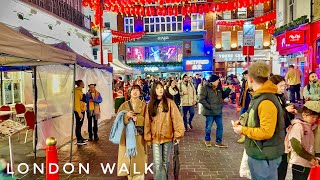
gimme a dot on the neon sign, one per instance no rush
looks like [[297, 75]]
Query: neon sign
[[197, 64]]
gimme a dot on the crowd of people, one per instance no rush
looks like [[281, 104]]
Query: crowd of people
[[273, 132]]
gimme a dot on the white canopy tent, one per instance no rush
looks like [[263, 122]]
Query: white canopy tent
[[120, 68], [49, 70]]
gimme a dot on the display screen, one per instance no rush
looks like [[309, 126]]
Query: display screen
[[136, 54]]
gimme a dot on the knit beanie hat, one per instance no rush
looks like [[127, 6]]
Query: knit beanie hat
[[213, 78], [245, 72], [313, 105]]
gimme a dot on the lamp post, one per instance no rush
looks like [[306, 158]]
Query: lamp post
[[100, 31]]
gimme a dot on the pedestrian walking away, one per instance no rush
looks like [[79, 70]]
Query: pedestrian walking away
[[93, 100], [211, 97], [163, 127], [293, 78]]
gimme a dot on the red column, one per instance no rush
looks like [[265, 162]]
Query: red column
[[52, 158]]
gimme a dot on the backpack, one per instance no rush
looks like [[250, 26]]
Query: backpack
[[287, 143]]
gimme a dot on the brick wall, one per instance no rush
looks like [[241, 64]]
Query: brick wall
[[121, 47]]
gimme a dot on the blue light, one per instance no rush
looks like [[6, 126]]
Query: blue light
[[208, 52]]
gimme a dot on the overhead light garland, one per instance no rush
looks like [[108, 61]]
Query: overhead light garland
[[161, 7], [122, 37]]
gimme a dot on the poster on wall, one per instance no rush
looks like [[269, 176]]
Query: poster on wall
[[318, 52], [170, 53]]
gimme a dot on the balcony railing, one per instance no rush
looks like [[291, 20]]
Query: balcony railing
[[65, 11]]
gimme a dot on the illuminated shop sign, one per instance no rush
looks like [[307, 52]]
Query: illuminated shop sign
[[154, 69], [197, 64]]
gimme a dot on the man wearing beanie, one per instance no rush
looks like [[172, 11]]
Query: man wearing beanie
[[211, 97], [263, 126], [188, 100]]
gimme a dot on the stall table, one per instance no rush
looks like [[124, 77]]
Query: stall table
[[9, 128]]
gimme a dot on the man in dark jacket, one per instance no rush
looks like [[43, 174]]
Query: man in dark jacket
[[211, 98], [245, 95]]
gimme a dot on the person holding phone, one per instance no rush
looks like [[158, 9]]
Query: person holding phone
[[93, 100], [163, 126], [136, 110]]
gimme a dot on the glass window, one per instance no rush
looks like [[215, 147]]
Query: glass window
[[128, 24], [226, 40], [242, 13], [258, 44], [258, 10], [163, 24], [12, 91], [226, 15], [240, 39], [291, 7], [197, 22]]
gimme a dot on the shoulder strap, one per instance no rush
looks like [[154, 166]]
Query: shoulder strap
[[308, 87], [130, 105]]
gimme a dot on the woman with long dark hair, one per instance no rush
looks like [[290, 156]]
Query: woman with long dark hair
[[289, 112], [163, 126], [135, 113]]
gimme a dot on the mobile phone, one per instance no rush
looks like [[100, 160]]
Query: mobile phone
[[232, 122]]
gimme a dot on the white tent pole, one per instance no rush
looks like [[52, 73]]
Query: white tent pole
[[72, 125], [35, 90]]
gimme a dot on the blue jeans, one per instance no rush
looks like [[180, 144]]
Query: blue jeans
[[209, 123], [263, 169], [161, 160], [243, 110], [185, 110]]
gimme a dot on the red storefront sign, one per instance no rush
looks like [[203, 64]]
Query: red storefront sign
[[248, 50], [295, 37]]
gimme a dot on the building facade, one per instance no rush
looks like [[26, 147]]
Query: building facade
[[229, 57]]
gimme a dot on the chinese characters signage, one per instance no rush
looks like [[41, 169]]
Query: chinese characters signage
[[197, 64]]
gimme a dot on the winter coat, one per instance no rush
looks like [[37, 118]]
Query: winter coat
[[141, 157], [79, 101], [191, 98], [313, 92], [211, 99], [165, 126]]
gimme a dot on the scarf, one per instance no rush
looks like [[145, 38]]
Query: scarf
[[116, 132]]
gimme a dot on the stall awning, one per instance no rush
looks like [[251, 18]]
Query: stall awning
[[120, 68], [17, 49]]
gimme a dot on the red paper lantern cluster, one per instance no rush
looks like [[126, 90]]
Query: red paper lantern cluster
[[259, 20], [122, 37], [95, 41], [96, 7], [271, 29], [138, 7]]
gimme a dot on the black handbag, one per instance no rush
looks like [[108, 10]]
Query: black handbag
[[140, 129]]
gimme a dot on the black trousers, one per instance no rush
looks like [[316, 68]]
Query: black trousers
[[92, 131], [283, 167], [79, 123], [300, 172], [295, 90]]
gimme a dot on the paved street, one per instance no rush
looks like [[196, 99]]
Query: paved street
[[197, 161]]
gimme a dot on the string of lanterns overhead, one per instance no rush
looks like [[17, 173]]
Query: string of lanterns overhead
[[122, 37], [162, 7]]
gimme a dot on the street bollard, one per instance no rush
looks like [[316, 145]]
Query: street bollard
[[51, 157]]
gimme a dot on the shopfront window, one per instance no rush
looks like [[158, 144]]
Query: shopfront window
[[226, 15], [12, 91], [291, 10], [226, 40], [197, 22], [258, 44], [160, 24], [128, 24]]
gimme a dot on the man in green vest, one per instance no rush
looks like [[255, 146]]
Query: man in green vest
[[263, 125]]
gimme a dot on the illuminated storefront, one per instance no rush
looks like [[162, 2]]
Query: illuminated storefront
[[162, 54]]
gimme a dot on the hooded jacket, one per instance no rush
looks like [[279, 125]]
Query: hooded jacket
[[313, 92], [265, 125], [187, 99]]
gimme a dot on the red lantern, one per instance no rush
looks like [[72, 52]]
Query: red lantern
[[188, 9], [200, 9], [206, 8], [85, 3], [183, 11], [131, 11], [136, 11], [218, 7], [142, 11], [149, 1], [175, 11], [194, 8], [170, 11], [161, 2], [213, 8], [159, 10]]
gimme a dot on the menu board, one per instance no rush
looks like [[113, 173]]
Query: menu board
[[9, 127]]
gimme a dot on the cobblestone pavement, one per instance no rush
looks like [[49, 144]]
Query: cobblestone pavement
[[197, 161]]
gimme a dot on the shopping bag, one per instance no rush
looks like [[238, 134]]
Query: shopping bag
[[314, 173], [200, 110], [244, 166]]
